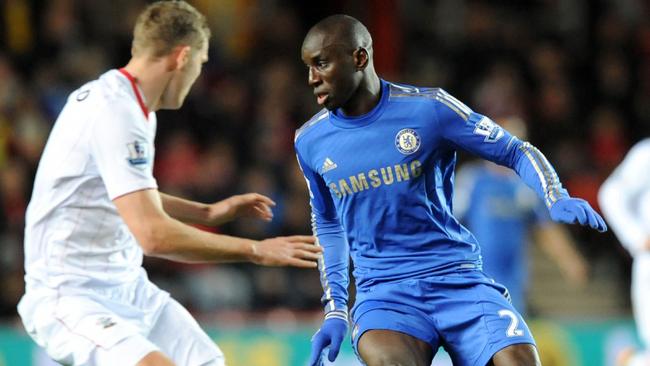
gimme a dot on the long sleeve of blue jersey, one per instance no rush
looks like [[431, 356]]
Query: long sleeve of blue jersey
[[327, 228], [479, 135]]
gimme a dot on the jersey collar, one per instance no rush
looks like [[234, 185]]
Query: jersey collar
[[136, 91], [338, 119]]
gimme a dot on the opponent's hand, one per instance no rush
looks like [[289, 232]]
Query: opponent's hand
[[251, 205], [331, 335], [576, 210], [296, 251]]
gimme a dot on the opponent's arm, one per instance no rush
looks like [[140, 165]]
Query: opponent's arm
[[333, 266], [121, 146], [253, 205], [479, 135], [162, 236], [621, 199]]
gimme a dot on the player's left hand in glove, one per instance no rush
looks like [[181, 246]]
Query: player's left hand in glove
[[330, 335], [576, 210]]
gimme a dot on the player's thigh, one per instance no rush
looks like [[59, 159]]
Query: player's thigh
[[386, 347], [80, 330], [516, 355], [475, 319], [181, 338], [133, 350], [390, 326]]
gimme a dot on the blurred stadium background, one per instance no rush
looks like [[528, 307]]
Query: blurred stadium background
[[577, 71]]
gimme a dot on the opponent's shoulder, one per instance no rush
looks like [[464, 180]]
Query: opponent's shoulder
[[116, 89], [115, 96], [104, 93], [313, 124]]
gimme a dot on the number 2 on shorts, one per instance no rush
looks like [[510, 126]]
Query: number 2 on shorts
[[514, 322]]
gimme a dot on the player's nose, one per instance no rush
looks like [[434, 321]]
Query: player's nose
[[314, 77]]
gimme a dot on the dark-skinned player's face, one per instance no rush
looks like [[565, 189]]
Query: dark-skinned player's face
[[332, 70]]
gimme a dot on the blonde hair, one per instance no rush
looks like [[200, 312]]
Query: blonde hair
[[164, 25]]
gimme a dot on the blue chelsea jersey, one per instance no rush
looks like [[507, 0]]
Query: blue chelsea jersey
[[381, 185]]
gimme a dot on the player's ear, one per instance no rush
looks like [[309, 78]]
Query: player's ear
[[361, 58], [178, 58]]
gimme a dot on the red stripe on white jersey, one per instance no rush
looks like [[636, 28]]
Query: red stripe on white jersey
[[144, 108]]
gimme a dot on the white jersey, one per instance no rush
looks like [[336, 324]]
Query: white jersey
[[625, 201], [625, 198], [101, 147]]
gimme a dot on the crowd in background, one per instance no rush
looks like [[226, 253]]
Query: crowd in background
[[577, 71]]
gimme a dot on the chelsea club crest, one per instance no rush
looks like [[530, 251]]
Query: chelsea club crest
[[407, 141]]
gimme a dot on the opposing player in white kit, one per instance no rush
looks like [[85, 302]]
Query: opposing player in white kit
[[96, 209], [625, 201]]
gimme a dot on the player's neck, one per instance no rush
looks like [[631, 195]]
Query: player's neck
[[366, 98], [151, 78]]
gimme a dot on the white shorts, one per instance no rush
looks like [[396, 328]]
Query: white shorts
[[116, 325]]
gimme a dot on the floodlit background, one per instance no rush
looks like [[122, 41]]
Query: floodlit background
[[576, 71]]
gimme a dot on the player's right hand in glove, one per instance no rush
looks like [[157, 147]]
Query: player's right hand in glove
[[330, 335]]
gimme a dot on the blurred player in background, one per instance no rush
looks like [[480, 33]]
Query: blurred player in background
[[489, 196], [379, 161], [95, 209], [625, 201]]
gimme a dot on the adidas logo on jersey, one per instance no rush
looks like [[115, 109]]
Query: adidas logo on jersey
[[328, 165]]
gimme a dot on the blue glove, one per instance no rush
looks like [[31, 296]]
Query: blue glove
[[575, 210], [331, 335]]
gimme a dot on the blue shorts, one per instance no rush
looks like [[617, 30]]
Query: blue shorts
[[465, 312]]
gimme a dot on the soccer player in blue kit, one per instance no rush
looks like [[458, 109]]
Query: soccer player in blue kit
[[379, 162]]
